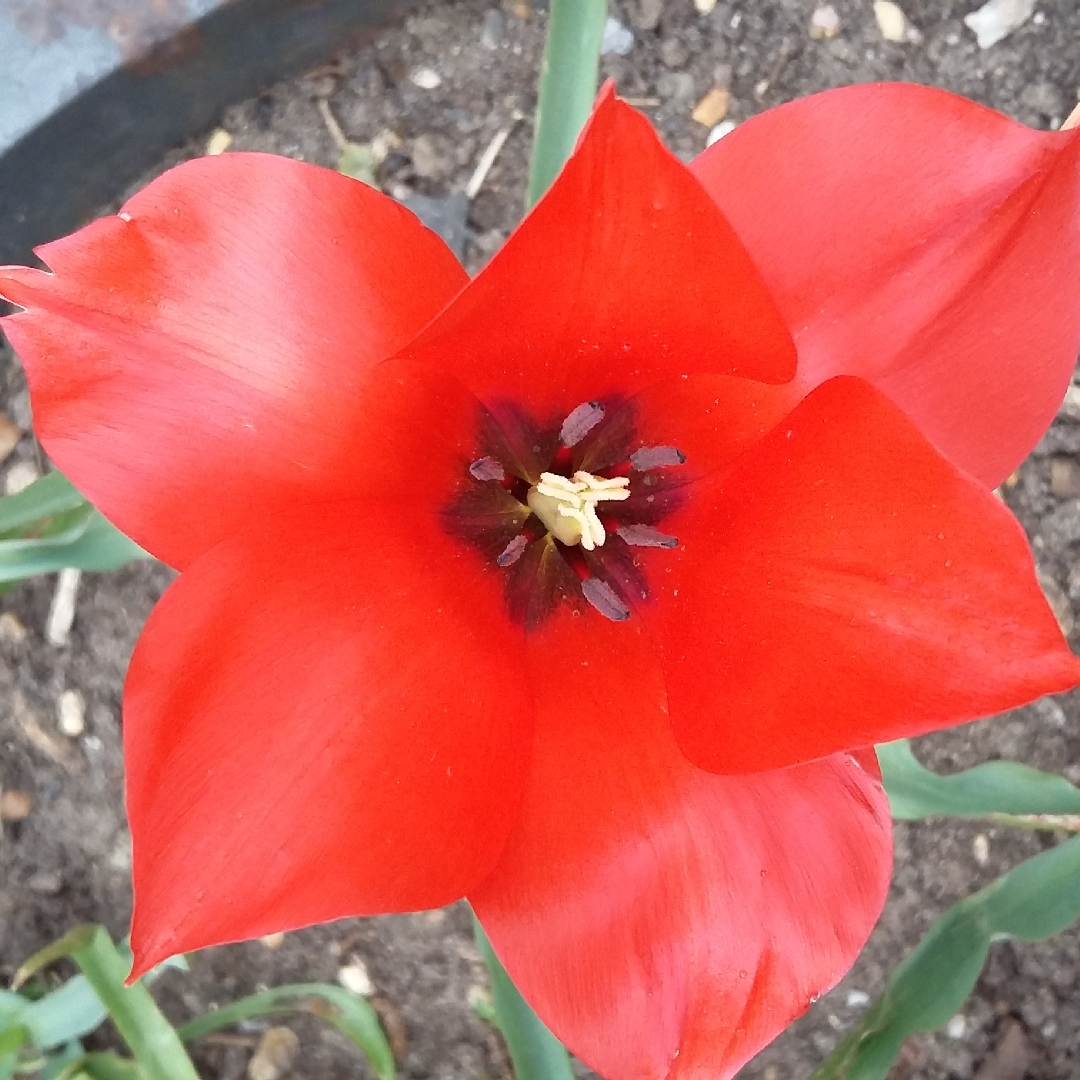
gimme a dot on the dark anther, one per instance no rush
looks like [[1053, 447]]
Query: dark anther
[[605, 599], [580, 422], [646, 536], [487, 468], [656, 457], [513, 551]]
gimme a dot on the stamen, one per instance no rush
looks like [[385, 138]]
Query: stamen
[[656, 457], [513, 551], [646, 536], [487, 468], [580, 422], [605, 599]]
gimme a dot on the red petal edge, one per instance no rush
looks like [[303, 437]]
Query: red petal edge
[[841, 584], [196, 362], [325, 717], [665, 922], [623, 273], [922, 242]]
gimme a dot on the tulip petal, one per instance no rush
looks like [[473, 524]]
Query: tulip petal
[[324, 717], [664, 921], [195, 360], [842, 584], [921, 242], [624, 272]]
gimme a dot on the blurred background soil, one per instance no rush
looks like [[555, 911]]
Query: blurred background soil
[[426, 99]]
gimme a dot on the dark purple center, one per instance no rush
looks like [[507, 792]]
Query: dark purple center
[[490, 511]]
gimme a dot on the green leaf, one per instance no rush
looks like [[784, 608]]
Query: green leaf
[[998, 787], [358, 161], [350, 1014], [12, 1040], [11, 1006], [568, 76], [68, 1012], [98, 1066], [152, 1039], [49, 526], [536, 1053], [1039, 898], [44, 498]]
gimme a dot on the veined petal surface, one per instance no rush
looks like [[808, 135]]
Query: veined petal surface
[[197, 362], [922, 242], [841, 584], [665, 922], [326, 716], [623, 273]]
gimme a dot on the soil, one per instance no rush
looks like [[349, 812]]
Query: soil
[[69, 860]]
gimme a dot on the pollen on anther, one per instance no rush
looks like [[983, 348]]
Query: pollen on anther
[[580, 422], [656, 457], [487, 468]]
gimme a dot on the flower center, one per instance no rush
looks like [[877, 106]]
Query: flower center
[[531, 505], [567, 505]]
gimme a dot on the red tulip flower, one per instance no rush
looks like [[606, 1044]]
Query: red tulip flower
[[579, 589]]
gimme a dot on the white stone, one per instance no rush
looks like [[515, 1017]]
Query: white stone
[[725, 127], [891, 20], [956, 1027], [426, 78], [355, 978], [71, 713], [857, 999], [617, 39], [996, 19], [19, 477]]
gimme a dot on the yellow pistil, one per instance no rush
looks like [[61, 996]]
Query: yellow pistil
[[567, 505]]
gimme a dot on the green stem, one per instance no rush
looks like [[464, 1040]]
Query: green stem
[[567, 86], [152, 1039], [536, 1053]]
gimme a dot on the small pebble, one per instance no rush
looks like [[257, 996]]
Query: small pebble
[[120, 856], [355, 978], [891, 20], [648, 14], [857, 999], [1065, 477], [427, 161], [71, 713], [725, 127], [997, 19], [980, 849], [273, 941], [12, 629], [19, 477], [220, 141], [673, 53], [712, 108], [10, 434], [426, 78], [15, 805], [492, 29], [824, 23], [704, 6], [676, 86], [274, 1055], [46, 882], [956, 1027], [617, 38]]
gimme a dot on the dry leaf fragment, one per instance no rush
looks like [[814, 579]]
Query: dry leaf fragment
[[220, 141], [15, 805], [10, 434], [276, 1051], [712, 108]]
